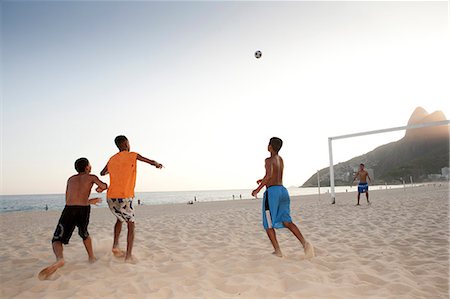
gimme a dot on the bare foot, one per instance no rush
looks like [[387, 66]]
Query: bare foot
[[117, 252], [309, 250], [92, 259], [45, 273], [278, 253], [131, 260]]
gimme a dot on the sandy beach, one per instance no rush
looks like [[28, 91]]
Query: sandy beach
[[396, 248]]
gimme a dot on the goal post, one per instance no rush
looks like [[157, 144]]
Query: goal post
[[330, 144]]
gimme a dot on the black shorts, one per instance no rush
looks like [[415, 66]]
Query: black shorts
[[72, 216]]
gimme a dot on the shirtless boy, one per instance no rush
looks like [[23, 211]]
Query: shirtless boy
[[276, 200], [75, 213], [363, 186]]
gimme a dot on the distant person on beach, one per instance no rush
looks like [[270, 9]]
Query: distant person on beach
[[75, 213], [363, 186], [122, 173], [276, 200]]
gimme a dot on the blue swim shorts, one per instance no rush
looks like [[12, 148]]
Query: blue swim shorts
[[363, 187], [276, 207]]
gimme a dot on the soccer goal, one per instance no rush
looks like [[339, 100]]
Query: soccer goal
[[330, 144]]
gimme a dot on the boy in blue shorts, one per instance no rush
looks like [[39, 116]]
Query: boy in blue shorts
[[363, 186], [276, 201]]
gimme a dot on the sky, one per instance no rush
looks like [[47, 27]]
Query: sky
[[180, 80]]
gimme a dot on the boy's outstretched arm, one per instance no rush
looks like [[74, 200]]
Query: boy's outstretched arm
[[151, 162], [104, 170], [95, 201], [264, 180], [101, 185], [354, 178]]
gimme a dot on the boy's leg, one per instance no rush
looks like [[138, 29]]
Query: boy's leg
[[115, 249], [367, 196], [359, 194], [267, 222], [130, 240], [58, 250], [294, 229], [62, 234], [88, 245], [115, 206], [307, 247], [273, 239], [83, 223]]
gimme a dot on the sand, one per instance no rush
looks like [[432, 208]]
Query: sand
[[396, 248]]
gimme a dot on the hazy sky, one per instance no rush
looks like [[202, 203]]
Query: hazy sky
[[179, 79]]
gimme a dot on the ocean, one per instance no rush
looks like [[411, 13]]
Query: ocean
[[39, 202]]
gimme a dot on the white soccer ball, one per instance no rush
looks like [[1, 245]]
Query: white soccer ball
[[258, 54]]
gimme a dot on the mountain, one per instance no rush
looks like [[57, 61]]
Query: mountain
[[420, 152]]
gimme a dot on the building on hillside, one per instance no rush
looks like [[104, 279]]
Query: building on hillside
[[434, 176]]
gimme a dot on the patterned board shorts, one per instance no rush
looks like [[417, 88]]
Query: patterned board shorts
[[122, 208]]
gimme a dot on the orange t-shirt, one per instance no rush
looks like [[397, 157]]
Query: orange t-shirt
[[122, 175]]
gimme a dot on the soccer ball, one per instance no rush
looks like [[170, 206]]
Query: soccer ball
[[258, 54]]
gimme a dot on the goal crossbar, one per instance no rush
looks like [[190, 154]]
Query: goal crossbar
[[330, 143]]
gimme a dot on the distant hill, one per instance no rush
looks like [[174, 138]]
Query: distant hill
[[419, 153]]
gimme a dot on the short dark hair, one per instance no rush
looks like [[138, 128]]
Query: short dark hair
[[362, 164], [81, 164], [276, 143], [120, 140]]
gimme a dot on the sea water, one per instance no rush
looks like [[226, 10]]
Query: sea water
[[41, 202]]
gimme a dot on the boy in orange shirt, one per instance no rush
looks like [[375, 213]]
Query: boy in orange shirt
[[122, 173]]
